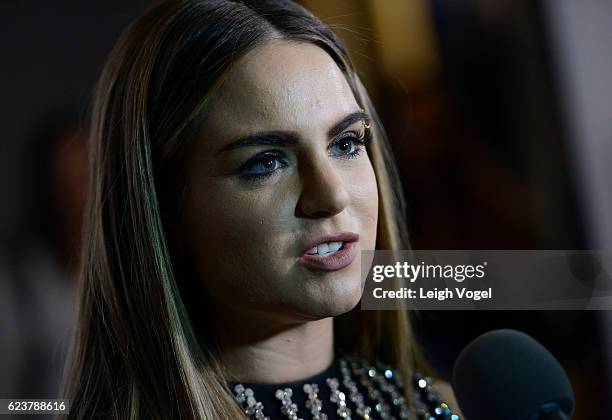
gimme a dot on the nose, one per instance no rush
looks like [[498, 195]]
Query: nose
[[323, 189]]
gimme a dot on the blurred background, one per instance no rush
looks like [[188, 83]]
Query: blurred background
[[499, 113]]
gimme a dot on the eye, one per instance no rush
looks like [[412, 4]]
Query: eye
[[349, 145], [263, 165]]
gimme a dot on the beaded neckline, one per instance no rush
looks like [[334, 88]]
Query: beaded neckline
[[349, 389]]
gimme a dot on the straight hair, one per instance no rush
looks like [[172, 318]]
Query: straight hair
[[136, 352]]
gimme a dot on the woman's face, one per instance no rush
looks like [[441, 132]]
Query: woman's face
[[276, 166]]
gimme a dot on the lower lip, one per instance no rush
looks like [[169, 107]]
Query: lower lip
[[337, 261]]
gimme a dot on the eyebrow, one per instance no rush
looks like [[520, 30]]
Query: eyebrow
[[287, 138]]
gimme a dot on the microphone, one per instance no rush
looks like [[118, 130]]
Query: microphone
[[507, 375]]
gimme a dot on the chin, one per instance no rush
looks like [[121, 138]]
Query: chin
[[331, 304]]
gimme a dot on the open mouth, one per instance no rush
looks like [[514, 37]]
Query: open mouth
[[331, 252], [326, 249], [330, 256]]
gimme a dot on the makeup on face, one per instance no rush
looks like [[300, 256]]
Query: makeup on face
[[348, 140], [281, 194], [331, 252]]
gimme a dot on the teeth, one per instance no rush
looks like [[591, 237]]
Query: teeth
[[334, 246], [323, 249], [327, 248]]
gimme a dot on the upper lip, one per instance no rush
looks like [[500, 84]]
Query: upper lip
[[338, 237]]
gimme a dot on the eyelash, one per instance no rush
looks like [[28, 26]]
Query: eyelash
[[359, 142]]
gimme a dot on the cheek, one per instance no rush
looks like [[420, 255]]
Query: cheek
[[216, 223], [229, 235], [364, 196]]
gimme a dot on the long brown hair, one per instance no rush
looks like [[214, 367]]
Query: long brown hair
[[136, 354]]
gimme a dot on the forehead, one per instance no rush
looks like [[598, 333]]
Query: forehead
[[284, 86]]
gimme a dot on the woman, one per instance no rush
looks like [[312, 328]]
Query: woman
[[238, 169]]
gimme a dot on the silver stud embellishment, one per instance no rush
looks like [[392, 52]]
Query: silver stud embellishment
[[289, 408], [313, 403]]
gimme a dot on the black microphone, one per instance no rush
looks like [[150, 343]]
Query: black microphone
[[507, 375]]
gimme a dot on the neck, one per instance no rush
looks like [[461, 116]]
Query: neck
[[283, 353]]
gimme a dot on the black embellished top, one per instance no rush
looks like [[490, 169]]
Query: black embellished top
[[349, 389]]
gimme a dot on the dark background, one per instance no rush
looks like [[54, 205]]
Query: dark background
[[498, 112]]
